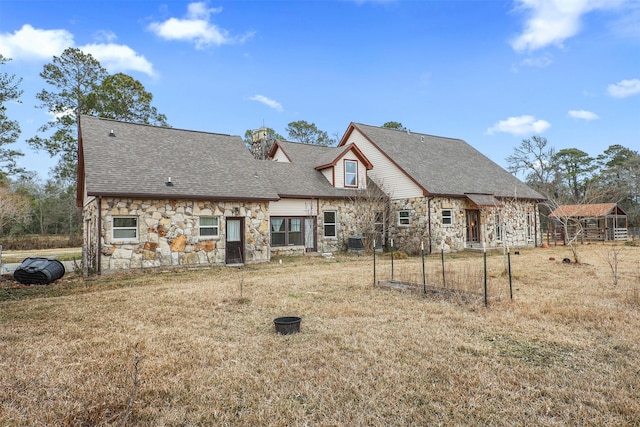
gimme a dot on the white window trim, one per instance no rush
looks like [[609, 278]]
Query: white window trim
[[124, 239], [351, 173], [450, 216], [216, 227], [335, 225], [408, 218]]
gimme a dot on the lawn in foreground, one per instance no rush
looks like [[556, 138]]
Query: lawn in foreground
[[564, 351]]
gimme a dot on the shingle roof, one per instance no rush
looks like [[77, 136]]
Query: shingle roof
[[139, 159], [311, 155], [590, 210], [446, 166]]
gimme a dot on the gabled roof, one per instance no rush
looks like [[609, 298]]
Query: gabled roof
[[443, 166], [594, 210], [139, 159], [342, 151], [309, 154]]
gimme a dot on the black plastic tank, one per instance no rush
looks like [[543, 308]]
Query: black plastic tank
[[39, 271]]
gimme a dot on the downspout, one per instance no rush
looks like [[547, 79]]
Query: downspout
[[99, 237]]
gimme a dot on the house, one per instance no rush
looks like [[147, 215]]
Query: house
[[593, 222], [158, 196]]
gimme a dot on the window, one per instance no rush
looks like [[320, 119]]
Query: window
[[287, 231], [350, 173], [125, 228], [403, 218], [209, 226], [498, 225], [530, 226], [447, 217], [329, 221]]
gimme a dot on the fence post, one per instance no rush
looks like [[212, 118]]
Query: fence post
[[392, 260], [509, 265], [374, 265], [444, 283], [424, 274], [484, 250]]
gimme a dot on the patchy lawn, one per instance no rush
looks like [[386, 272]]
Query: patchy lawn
[[198, 347]]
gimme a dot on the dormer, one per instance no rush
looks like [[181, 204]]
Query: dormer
[[277, 153], [348, 169]]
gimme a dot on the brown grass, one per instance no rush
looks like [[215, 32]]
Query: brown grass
[[563, 352]]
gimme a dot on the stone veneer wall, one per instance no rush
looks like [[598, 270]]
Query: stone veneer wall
[[350, 215], [168, 233], [513, 216]]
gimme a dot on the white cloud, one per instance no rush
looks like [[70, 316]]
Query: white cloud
[[583, 114], [520, 126], [541, 61], [117, 57], [551, 22], [195, 27], [29, 43], [268, 102], [624, 88]]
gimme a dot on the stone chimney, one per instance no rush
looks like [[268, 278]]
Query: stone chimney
[[260, 145]]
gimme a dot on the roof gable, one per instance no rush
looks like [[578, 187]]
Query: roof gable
[[443, 166], [351, 148]]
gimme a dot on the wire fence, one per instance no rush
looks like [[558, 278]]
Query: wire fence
[[473, 278]]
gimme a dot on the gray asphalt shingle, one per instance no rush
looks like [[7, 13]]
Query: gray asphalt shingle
[[446, 166]]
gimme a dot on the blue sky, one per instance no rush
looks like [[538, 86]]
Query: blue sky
[[490, 72]]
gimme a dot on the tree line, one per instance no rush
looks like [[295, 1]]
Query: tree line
[[571, 176], [76, 84]]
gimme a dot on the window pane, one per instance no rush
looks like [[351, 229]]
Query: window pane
[[351, 167], [233, 230], [209, 231], [329, 230], [277, 224], [125, 222], [329, 217], [208, 221], [277, 239], [126, 233], [294, 224]]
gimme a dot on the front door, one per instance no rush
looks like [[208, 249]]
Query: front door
[[234, 253], [473, 226], [310, 235]]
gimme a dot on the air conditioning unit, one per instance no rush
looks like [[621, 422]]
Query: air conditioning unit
[[356, 244]]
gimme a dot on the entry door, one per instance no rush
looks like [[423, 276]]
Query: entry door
[[310, 235], [234, 253], [473, 226]]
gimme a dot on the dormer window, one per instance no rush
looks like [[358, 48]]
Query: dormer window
[[350, 173]]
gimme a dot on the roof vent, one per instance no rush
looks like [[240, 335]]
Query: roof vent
[[422, 139], [169, 183], [112, 134], [408, 132]]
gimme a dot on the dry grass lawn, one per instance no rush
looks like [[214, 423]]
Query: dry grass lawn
[[193, 350]]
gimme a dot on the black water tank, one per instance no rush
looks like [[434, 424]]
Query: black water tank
[[39, 271]]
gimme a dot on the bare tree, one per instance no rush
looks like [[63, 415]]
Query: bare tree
[[370, 212], [14, 209]]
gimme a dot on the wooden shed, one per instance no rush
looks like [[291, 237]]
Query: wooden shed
[[592, 222]]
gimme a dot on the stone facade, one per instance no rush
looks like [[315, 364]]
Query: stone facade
[[168, 232], [515, 224]]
